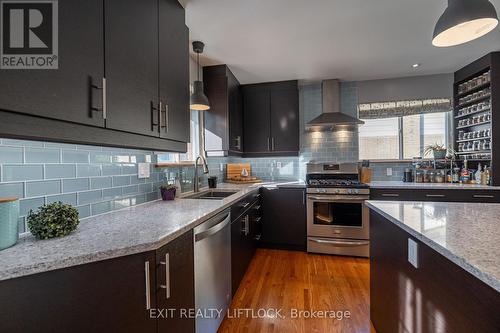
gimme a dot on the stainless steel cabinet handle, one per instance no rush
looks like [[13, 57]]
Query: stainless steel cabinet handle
[[303, 197], [269, 143], [104, 108], [257, 219], [166, 286], [167, 117], [104, 99], [390, 195], [153, 116], [435, 195], [246, 226], [245, 205], [238, 142], [339, 243], [160, 106], [148, 285], [272, 143], [256, 207], [483, 196]]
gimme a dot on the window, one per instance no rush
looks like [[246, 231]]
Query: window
[[402, 137], [193, 147]]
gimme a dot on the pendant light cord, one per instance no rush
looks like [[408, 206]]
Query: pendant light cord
[[198, 64]]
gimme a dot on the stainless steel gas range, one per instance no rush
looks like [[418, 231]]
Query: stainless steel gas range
[[337, 218]]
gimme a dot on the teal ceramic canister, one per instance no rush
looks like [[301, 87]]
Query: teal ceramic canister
[[9, 227]]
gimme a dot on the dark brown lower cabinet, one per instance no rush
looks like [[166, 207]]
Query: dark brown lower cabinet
[[106, 296], [175, 284], [284, 222], [452, 195], [438, 296], [245, 236], [116, 295]]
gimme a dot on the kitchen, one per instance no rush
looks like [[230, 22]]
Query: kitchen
[[177, 178]]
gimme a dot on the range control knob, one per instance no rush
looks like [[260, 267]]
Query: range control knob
[[337, 191], [349, 191], [356, 191]]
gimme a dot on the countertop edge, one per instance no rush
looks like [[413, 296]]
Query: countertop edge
[[484, 277]]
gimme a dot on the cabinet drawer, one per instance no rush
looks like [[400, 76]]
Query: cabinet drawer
[[243, 205], [481, 196]]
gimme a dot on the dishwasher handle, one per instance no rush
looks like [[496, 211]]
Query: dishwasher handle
[[213, 230]]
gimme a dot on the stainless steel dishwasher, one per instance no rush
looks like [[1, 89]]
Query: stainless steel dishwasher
[[212, 271]]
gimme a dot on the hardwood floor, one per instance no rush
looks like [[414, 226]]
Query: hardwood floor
[[289, 280]]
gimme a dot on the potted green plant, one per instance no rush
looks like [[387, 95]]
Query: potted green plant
[[439, 151], [53, 220], [168, 192]]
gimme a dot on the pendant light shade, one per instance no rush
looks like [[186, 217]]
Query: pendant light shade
[[198, 99], [463, 21]]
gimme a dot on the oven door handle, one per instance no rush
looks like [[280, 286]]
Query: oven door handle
[[350, 199], [339, 242]]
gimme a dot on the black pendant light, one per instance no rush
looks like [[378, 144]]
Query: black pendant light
[[198, 99], [463, 21]]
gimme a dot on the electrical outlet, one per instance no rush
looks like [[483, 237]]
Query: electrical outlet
[[144, 170], [278, 165], [221, 167], [389, 171], [413, 252]]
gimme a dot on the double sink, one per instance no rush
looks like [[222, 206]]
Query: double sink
[[211, 194]]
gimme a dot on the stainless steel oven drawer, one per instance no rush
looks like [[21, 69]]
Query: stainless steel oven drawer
[[339, 246]]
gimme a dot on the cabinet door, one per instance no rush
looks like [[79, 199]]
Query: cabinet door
[[175, 283], [285, 120], [235, 115], [256, 115], [106, 296], [174, 71], [241, 250], [216, 122], [65, 93], [132, 65], [284, 218]]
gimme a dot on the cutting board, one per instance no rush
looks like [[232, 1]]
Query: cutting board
[[233, 174]]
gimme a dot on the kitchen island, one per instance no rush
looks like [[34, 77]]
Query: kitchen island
[[435, 266]]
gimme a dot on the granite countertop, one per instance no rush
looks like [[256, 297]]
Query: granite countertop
[[123, 232], [465, 233], [445, 186]]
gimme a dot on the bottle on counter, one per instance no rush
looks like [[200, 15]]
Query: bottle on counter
[[483, 180], [488, 176], [465, 174], [456, 175], [477, 175]]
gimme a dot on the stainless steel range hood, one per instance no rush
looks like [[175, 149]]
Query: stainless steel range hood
[[331, 118]]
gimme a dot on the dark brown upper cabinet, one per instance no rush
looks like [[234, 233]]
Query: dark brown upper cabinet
[[174, 111], [66, 93], [224, 120], [123, 79], [271, 119], [132, 66]]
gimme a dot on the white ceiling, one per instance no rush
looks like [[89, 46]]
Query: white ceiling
[[271, 40]]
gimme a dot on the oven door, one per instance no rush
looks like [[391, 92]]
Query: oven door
[[337, 216]]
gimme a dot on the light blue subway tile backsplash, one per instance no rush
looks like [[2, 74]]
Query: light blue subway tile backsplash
[[35, 189], [42, 155], [75, 156], [22, 172], [76, 185], [60, 171], [89, 197], [11, 155], [88, 170], [12, 190], [92, 178]]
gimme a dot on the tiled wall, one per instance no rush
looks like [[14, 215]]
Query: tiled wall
[[94, 179], [379, 171], [338, 146]]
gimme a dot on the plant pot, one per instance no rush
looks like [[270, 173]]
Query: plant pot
[[168, 194], [439, 154], [9, 224]]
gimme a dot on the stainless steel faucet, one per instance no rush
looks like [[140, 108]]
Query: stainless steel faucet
[[196, 182]]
